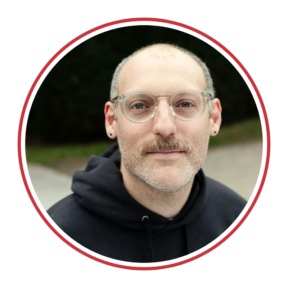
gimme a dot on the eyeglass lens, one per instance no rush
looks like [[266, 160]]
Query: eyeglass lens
[[186, 105]]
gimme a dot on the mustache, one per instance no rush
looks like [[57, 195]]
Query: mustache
[[164, 143]]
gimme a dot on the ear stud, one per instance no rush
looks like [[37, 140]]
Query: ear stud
[[215, 132], [110, 134]]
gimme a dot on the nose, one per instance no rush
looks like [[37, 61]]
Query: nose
[[164, 121]]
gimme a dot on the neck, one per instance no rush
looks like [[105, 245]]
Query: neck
[[165, 203]]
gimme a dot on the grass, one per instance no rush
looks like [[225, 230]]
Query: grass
[[47, 155], [238, 132]]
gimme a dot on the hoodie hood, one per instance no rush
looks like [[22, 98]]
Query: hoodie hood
[[103, 217], [100, 189]]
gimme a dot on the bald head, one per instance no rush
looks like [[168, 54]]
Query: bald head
[[159, 51], [153, 65]]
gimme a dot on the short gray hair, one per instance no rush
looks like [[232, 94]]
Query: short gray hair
[[208, 79]]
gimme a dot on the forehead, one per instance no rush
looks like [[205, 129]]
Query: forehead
[[160, 72]]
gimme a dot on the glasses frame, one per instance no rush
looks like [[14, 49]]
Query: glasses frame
[[204, 94]]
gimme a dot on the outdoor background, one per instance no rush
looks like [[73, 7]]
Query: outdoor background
[[66, 121]]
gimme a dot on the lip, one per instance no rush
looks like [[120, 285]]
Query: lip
[[166, 153]]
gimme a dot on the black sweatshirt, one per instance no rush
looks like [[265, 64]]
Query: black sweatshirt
[[103, 217]]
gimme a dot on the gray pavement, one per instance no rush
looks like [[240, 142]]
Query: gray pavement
[[237, 166]]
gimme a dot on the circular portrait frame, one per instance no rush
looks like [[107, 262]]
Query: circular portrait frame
[[252, 203]]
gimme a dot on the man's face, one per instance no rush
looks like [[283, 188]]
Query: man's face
[[171, 168]]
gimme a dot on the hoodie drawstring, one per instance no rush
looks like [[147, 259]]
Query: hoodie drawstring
[[146, 221]]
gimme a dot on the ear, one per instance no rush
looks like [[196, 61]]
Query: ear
[[110, 121], [216, 118]]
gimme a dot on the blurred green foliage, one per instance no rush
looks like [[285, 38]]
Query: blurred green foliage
[[69, 105]]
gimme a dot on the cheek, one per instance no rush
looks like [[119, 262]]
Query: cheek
[[195, 129], [133, 134]]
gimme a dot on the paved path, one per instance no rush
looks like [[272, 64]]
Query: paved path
[[236, 166]]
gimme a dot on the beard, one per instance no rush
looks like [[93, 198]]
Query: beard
[[166, 174]]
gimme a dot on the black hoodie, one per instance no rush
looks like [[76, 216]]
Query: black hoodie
[[102, 216]]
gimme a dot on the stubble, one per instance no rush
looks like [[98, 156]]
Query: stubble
[[167, 175]]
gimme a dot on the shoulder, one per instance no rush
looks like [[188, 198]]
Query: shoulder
[[225, 193], [82, 225], [62, 207], [68, 214], [223, 201], [221, 209]]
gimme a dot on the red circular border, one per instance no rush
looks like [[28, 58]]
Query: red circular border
[[126, 21]]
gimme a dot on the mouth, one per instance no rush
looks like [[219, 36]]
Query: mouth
[[165, 153]]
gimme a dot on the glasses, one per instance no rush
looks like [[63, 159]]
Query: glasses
[[185, 105]]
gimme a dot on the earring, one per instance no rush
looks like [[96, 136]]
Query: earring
[[215, 132], [110, 134]]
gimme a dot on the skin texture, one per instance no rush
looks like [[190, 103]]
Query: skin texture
[[161, 180]]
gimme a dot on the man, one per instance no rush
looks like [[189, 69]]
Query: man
[[150, 201]]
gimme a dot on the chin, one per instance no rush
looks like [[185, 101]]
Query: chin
[[167, 187], [167, 180]]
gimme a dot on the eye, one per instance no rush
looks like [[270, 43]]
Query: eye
[[185, 105], [139, 106]]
